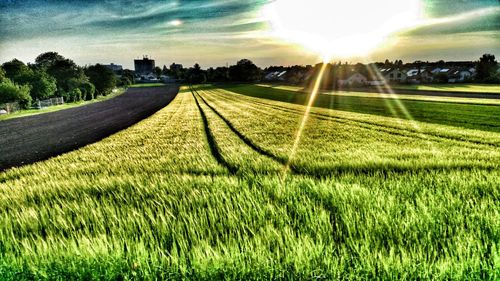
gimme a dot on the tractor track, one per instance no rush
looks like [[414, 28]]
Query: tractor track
[[366, 125], [212, 143]]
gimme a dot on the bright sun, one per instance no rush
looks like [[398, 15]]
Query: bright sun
[[341, 28]]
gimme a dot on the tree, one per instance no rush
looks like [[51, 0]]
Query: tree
[[244, 71], [196, 75], [124, 81], [88, 90], [42, 85], [15, 68], [102, 77], [62, 69], [11, 92], [47, 60], [486, 68], [75, 95], [441, 78], [2, 74], [129, 74], [158, 72]]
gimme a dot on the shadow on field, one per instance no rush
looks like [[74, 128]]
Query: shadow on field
[[30, 139]]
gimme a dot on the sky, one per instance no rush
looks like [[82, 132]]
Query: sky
[[269, 32]]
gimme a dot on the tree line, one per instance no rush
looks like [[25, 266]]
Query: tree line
[[53, 75], [243, 71], [246, 71]]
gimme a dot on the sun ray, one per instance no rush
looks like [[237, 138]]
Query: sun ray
[[305, 117]]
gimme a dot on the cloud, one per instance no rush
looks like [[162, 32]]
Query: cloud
[[30, 19], [480, 20]]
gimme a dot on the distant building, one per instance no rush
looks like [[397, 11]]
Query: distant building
[[419, 75], [393, 75], [459, 75], [114, 67], [355, 79], [145, 66], [275, 76]]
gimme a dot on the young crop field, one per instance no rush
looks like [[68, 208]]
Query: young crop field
[[216, 186]]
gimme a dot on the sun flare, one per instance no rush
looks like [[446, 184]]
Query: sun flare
[[341, 28]]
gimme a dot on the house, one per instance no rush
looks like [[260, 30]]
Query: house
[[271, 76], [353, 80], [281, 76], [167, 79], [275, 76], [426, 76], [436, 70], [419, 75], [148, 78], [459, 75], [413, 75], [394, 75]]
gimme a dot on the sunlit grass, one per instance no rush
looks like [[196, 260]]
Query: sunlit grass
[[369, 197], [472, 116], [373, 93]]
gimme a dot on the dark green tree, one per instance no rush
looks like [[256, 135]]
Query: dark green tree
[[65, 71], [196, 75], [47, 60], [2, 74], [102, 77], [88, 90], [129, 74], [125, 82], [486, 68], [158, 72], [15, 69], [244, 71], [43, 86]]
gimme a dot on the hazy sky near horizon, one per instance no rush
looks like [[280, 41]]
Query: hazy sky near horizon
[[216, 32]]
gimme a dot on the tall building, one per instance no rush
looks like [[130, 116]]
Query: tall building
[[144, 66]]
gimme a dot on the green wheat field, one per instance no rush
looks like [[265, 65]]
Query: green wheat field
[[205, 190]]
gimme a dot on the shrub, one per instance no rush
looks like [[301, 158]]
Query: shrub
[[88, 90], [75, 95], [125, 81], [11, 92]]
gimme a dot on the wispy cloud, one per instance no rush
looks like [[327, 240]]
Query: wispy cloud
[[479, 20], [209, 31]]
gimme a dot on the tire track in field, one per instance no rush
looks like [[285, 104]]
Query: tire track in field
[[325, 172], [212, 143], [245, 139], [365, 125], [369, 125]]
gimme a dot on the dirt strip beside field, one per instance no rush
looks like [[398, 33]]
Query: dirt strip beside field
[[30, 139]]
